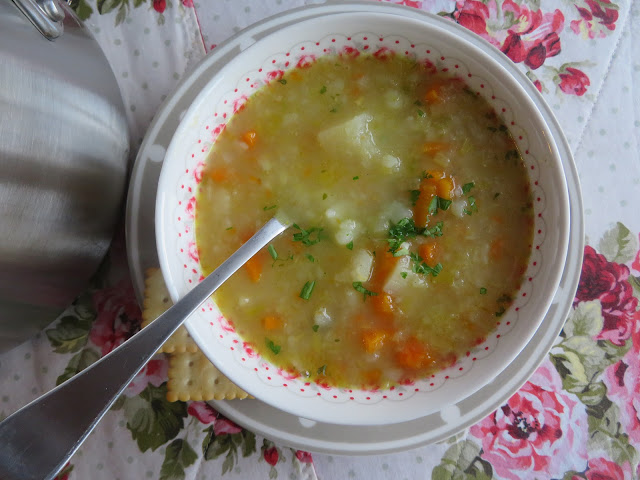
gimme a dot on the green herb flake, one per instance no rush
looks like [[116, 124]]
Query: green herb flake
[[273, 347], [333, 110], [272, 252], [350, 245], [426, 175], [500, 312], [366, 293], [472, 206], [398, 233], [323, 90], [466, 188], [443, 203], [315, 327], [504, 299], [496, 195], [433, 206], [421, 268], [305, 236], [269, 208], [324, 196], [322, 370], [414, 195], [230, 228], [435, 231], [421, 113], [307, 290], [356, 177], [403, 274], [282, 81], [310, 258], [512, 155], [483, 291]]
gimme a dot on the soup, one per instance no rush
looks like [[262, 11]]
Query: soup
[[413, 220]]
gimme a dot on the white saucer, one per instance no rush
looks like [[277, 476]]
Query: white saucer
[[289, 429]]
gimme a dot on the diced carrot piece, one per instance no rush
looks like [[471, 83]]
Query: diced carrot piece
[[413, 354], [383, 265], [250, 138], [383, 304], [253, 267], [432, 96], [431, 148], [496, 249], [373, 340], [272, 322], [444, 188], [429, 253], [421, 209], [219, 174]]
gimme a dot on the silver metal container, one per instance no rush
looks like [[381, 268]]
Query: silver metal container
[[63, 162]]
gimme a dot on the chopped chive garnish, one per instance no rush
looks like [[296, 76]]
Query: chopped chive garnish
[[359, 288], [273, 347], [310, 258], [483, 291], [315, 328], [323, 89], [306, 291], [322, 370], [283, 81], [350, 245], [466, 188], [272, 252], [269, 208]]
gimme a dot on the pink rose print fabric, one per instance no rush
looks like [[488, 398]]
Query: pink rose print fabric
[[524, 438], [608, 282], [524, 34]]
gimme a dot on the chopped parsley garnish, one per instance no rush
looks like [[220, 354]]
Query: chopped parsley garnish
[[420, 267], [273, 347], [323, 90], [500, 311], [425, 174], [366, 293], [333, 110], [269, 208], [310, 258], [403, 274], [229, 228], [483, 291], [414, 195], [356, 177], [283, 81], [438, 203], [420, 113], [435, 231], [398, 233], [472, 206], [466, 188], [322, 370], [305, 236], [272, 252], [307, 290], [350, 245], [315, 327], [324, 196]]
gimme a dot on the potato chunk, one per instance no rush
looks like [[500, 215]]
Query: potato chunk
[[352, 138]]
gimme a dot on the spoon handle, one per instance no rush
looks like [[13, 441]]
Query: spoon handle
[[38, 440]]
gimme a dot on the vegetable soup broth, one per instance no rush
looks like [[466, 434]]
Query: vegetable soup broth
[[413, 220]]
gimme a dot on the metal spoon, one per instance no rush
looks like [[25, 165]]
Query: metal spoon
[[38, 440]]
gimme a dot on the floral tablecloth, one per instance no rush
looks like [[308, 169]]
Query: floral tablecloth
[[578, 416]]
